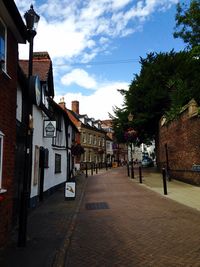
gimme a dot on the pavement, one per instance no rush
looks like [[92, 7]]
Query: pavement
[[56, 227], [181, 192], [48, 228]]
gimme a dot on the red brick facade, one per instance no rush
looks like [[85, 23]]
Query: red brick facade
[[15, 33], [180, 141], [8, 86]]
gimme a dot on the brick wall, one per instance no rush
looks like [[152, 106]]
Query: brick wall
[[8, 127], [180, 140]]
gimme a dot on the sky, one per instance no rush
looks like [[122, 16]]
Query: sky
[[96, 45]]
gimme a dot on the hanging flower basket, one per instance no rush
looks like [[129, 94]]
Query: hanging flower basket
[[130, 135]]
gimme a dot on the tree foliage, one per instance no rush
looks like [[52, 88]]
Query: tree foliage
[[166, 82], [188, 24]]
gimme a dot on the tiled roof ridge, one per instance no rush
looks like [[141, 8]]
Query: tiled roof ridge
[[42, 59], [43, 54]]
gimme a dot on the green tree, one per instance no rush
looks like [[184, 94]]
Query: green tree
[[120, 123], [166, 82], [188, 24]]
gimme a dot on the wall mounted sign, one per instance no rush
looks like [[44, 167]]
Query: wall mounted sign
[[49, 129]]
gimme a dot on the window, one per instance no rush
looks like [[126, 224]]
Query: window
[[103, 142], [90, 139], [2, 46], [57, 163], [108, 146], [1, 158], [95, 140], [46, 158], [84, 157], [58, 122], [84, 137]]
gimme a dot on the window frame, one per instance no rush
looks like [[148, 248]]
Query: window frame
[[1, 161], [3, 65], [84, 137], [90, 139]]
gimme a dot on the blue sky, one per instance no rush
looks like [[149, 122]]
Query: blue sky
[[95, 45]]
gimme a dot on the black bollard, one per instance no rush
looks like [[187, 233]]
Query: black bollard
[[106, 166], [128, 172], [96, 168], [132, 170], [86, 170], [140, 174], [164, 181], [91, 168]]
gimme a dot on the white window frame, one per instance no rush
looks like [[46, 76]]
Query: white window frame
[[103, 142], [4, 65], [84, 137], [99, 141], [95, 140], [1, 161], [90, 139]]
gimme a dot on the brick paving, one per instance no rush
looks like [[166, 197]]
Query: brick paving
[[47, 233], [138, 228]]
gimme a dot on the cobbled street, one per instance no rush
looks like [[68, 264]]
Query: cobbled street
[[122, 223]]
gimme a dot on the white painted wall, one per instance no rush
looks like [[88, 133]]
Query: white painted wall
[[50, 177]]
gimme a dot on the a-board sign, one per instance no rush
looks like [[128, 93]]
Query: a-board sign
[[70, 190]]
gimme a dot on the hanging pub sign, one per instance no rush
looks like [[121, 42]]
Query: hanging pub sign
[[49, 128]]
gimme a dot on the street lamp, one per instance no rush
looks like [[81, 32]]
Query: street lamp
[[32, 20], [130, 117]]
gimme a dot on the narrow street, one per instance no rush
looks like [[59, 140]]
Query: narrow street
[[122, 223]]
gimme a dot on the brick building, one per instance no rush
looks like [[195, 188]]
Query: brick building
[[179, 143], [91, 136], [12, 32]]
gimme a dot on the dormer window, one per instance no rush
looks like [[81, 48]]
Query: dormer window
[[2, 46]]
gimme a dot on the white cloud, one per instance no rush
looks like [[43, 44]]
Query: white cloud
[[68, 28], [80, 77], [78, 31], [99, 104]]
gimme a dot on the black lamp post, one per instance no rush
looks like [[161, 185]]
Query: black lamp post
[[130, 119], [32, 20]]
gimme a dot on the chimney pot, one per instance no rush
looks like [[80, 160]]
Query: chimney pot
[[62, 103], [75, 106]]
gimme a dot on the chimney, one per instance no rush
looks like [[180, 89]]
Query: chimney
[[75, 106], [62, 103]]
